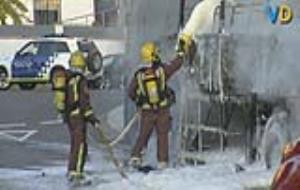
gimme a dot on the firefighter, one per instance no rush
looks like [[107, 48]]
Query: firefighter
[[148, 89], [287, 177], [72, 100]]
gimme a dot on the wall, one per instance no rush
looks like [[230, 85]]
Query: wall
[[78, 8], [29, 5], [69, 9]]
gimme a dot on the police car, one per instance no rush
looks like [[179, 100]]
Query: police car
[[38, 61]]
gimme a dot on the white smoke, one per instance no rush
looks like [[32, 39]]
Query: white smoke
[[148, 20], [267, 57]]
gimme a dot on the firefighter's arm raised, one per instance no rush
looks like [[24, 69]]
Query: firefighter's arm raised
[[85, 103], [185, 48], [173, 66]]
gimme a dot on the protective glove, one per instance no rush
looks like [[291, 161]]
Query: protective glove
[[94, 121], [184, 44]]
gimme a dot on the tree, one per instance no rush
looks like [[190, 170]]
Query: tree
[[13, 9]]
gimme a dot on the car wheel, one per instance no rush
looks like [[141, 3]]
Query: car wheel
[[95, 62], [4, 82], [27, 86]]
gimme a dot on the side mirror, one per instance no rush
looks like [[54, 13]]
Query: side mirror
[[17, 54]]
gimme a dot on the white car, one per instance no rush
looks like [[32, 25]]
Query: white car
[[38, 61]]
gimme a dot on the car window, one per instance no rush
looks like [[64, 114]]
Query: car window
[[29, 49], [49, 48], [46, 48], [61, 47], [86, 46]]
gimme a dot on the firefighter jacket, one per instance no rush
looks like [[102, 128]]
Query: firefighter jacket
[[77, 100], [148, 88]]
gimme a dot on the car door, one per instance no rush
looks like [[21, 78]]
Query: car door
[[22, 65], [44, 58], [33, 60]]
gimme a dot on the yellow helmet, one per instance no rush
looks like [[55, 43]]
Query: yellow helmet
[[149, 52], [77, 60]]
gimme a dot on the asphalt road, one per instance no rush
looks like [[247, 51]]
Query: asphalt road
[[30, 134]]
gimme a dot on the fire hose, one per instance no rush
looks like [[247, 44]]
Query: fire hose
[[109, 144], [125, 130], [112, 156]]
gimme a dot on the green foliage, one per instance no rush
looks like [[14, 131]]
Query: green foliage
[[13, 9]]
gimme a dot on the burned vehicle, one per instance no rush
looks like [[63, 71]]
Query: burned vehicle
[[242, 89]]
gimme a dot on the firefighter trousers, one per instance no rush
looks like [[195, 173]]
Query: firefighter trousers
[[79, 148], [160, 120]]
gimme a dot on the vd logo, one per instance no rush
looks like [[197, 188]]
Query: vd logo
[[281, 13]]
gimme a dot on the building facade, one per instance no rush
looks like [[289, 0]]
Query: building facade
[[70, 12]]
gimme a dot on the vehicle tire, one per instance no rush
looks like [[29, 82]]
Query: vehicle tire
[[95, 62], [4, 83], [27, 86], [54, 72]]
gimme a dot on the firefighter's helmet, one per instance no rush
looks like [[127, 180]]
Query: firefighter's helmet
[[149, 52], [77, 60]]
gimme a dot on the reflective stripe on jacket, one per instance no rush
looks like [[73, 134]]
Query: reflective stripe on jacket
[[169, 71], [77, 96]]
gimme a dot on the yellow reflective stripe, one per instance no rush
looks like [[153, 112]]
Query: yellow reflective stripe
[[140, 83], [73, 173], [80, 157], [88, 113], [146, 106], [75, 112], [162, 78], [75, 89], [164, 103], [74, 83], [138, 91]]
